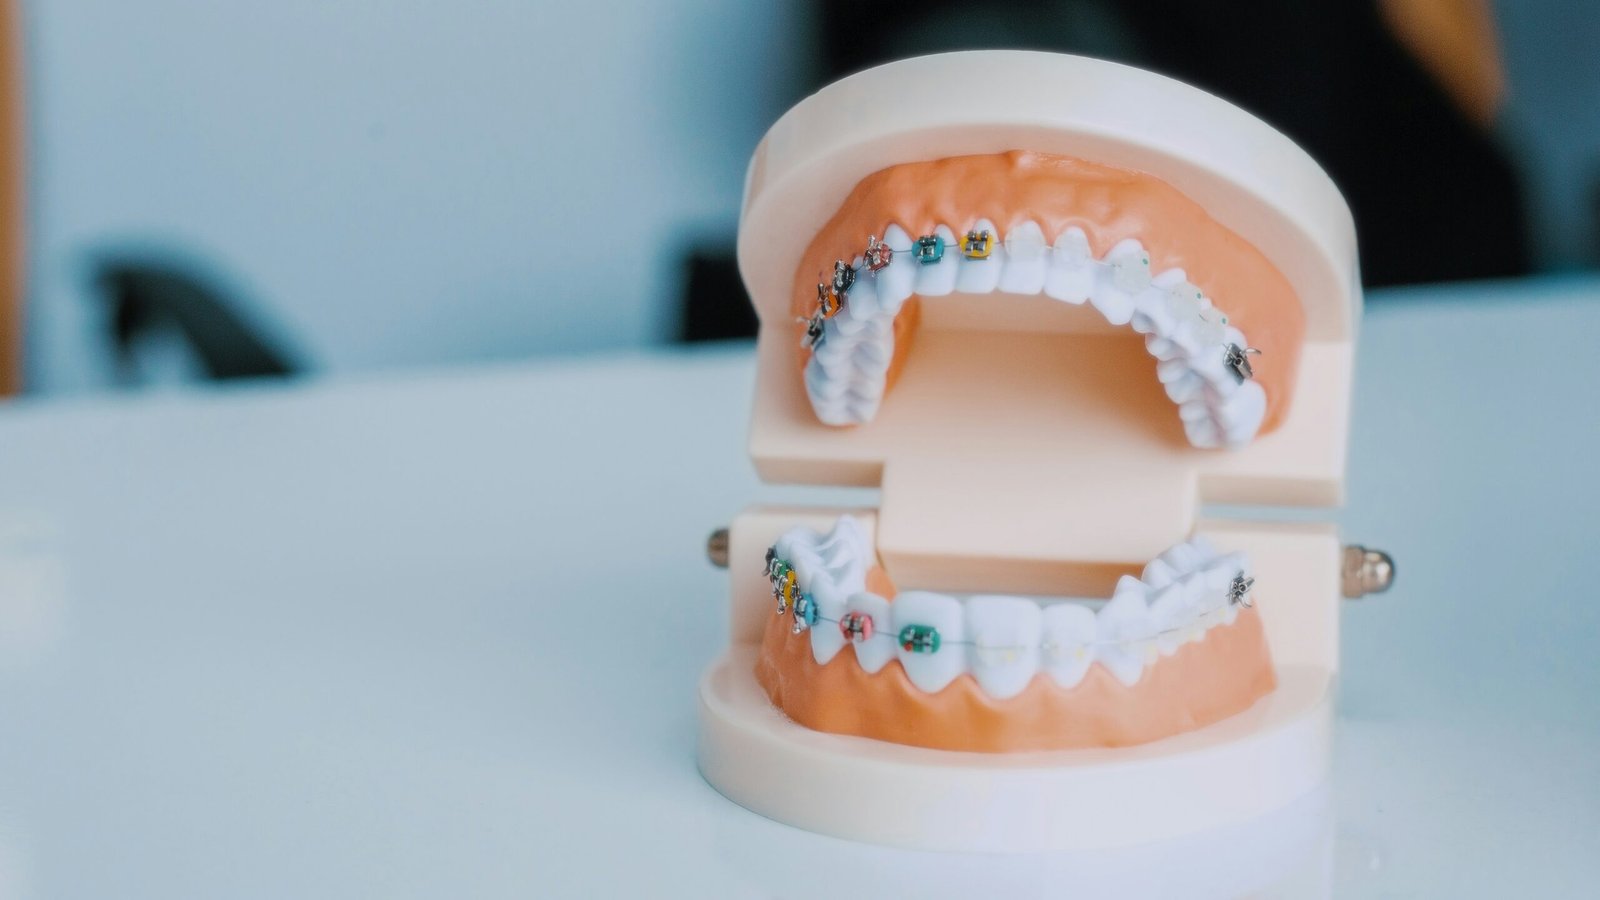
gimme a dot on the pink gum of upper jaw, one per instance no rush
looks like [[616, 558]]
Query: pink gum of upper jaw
[[1109, 204]]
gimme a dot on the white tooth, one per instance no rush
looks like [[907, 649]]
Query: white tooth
[[1203, 546], [1123, 632], [1162, 348], [1151, 313], [1202, 433], [1169, 611], [1181, 384], [878, 352], [1213, 329], [1025, 260], [938, 279], [1242, 413], [979, 276], [930, 672], [1190, 385], [1005, 634], [875, 652], [826, 638], [894, 282], [1127, 274], [1157, 574], [865, 409], [847, 325], [1183, 558], [1069, 642], [1184, 303], [1070, 275], [821, 386], [861, 304], [1194, 411]]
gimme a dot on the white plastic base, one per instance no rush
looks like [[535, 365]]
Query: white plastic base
[[1236, 770]]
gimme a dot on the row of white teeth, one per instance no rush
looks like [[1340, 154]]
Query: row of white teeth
[[1006, 641], [847, 372]]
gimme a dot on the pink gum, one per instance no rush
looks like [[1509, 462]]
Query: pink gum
[[1109, 204]]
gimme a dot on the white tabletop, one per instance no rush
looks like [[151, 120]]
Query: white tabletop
[[439, 635]]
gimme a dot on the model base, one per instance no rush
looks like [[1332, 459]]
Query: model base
[[864, 790]]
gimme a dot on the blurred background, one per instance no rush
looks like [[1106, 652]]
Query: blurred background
[[193, 190]]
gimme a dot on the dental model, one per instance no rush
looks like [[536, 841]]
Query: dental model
[[988, 307]]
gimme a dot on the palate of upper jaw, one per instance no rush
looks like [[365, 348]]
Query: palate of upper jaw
[[847, 374], [1005, 642]]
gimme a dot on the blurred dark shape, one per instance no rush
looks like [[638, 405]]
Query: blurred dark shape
[[1434, 197], [148, 298], [715, 305]]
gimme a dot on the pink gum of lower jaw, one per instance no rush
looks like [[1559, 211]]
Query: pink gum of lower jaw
[[1201, 683], [1057, 192]]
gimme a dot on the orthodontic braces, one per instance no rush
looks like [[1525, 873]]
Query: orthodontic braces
[[858, 627], [833, 294]]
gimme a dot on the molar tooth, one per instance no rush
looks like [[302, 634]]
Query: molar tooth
[[1070, 275], [821, 385], [939, 279], [1202, 433], [1025, 260], [1123, 628], [979, 276], [1005, 634], [875, 652], [1185, 387], [894, 282], [1069, 642], [930, 671], [1162, 348]]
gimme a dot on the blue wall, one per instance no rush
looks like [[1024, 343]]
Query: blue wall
[[394, 183]]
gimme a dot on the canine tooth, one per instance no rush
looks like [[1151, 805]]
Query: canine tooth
[[861, 304], [979, 276], [1025, 260], [1069, 642], [874, 653], [1123, 629], [938, 279], [1070, 275], [1005, 634], [930, 671], [1157, 574], [820, 385], [894, 282], [1128, 274]]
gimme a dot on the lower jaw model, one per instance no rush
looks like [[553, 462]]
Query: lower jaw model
[[1173, 650]]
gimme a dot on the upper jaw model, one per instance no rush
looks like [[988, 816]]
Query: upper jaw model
[[1132, 248], [1050, 308]]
